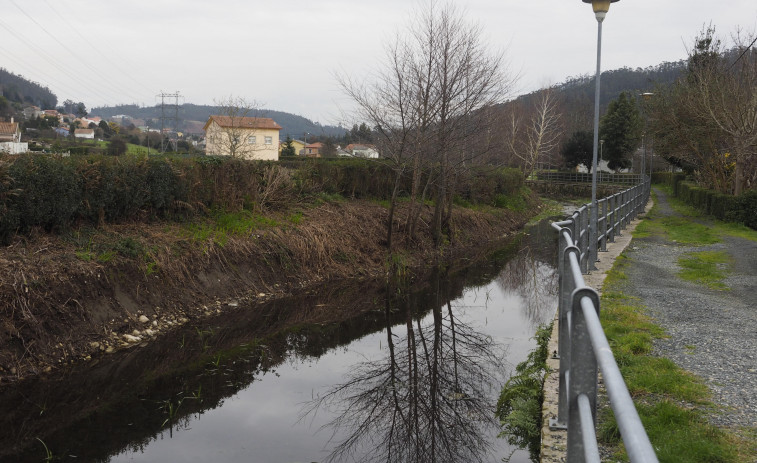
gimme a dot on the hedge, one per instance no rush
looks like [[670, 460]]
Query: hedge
[[742, 208], [54, 193]]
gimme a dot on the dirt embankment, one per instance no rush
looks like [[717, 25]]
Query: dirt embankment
[[69, 298]]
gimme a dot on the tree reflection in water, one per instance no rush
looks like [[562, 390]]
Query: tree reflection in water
[[530, 275], [429, 399]]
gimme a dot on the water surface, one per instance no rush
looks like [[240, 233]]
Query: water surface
[[412, 376]]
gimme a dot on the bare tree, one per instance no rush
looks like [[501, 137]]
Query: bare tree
[[467, 79], [435, 80], [426, 401], [534, 130], [708, 119]]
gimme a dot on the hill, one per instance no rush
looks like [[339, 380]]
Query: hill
[[616, 81], [18, 89], [191, 114]]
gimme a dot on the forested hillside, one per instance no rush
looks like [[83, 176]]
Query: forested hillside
[[293, 125], [578, 92], [17, 89]]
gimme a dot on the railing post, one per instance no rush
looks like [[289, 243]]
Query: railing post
[[584, 242], [583, 371], [611, 217], [567, 286], [604, 224]]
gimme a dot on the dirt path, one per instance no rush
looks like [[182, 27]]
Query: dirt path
[[712, 333]]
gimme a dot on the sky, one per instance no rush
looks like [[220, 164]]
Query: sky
[[287, 55]]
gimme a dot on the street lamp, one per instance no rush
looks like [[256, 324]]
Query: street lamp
[[646, 96], [600, 7]]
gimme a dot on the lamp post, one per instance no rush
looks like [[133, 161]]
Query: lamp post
[[646, 96], [600, 7]]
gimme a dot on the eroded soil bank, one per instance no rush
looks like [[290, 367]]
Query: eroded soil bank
[[72, 298]]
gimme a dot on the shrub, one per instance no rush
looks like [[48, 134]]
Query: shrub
[[744, 209], [727, 207], [52, 192], [520, 402], [48, 192]]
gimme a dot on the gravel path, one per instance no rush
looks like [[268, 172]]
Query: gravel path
[[713, 334]]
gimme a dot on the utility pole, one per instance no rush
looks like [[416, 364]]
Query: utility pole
[[164, 110]]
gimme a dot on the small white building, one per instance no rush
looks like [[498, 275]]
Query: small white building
[[85, 133], [10, 147], [362, 151]]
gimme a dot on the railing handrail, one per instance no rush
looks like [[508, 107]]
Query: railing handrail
[[583, 346]]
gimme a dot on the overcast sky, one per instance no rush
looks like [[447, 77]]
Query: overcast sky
[[285, 54]]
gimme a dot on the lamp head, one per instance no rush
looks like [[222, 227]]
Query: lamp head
[[600, 7]]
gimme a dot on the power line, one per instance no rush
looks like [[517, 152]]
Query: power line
[[47, 57], [97, 50], [743, 53], [65, 47]]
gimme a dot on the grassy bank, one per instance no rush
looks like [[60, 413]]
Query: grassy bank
[[671, 402]]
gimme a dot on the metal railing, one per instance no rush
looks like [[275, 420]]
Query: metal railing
[[582, 177], [583, 346]]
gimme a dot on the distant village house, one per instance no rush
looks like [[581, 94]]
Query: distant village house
[[254, 138], [84, 133], [10, 138], [313, 150], [362, 151]]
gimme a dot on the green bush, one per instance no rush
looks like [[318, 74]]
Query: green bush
[[48, 192], [744, 209], [52, 192], [520, 402], [9, 216], [722, 206]]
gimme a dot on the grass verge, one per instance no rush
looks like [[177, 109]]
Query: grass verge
[[670, 401]]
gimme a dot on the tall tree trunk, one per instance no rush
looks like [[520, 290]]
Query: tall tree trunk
[[441, 195], [392, 207], [417, 213]]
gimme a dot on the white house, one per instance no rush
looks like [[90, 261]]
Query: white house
[[362, 151], [244, 137], [85, 133]]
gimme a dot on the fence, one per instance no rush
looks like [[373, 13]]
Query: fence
[[581, 177], [583, 346]]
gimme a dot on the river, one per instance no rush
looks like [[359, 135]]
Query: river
[[411, 376]]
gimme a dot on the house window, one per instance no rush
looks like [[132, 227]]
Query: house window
[[252, 140], [269, 140]]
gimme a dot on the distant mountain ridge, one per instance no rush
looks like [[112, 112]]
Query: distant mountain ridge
[[577, 92], [292, 125]]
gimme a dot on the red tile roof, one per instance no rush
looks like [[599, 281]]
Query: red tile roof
[[244, 122], [8, 130]]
